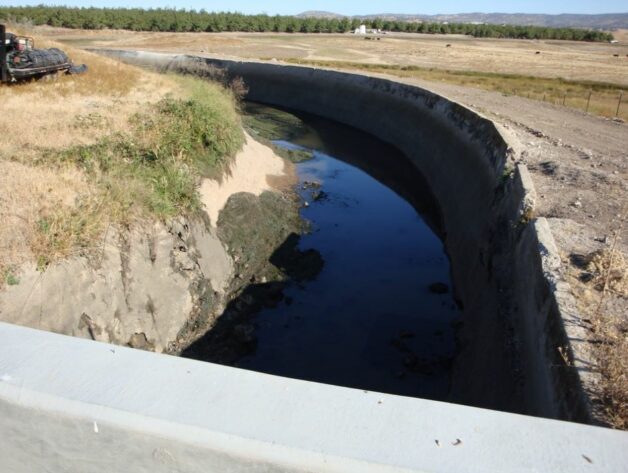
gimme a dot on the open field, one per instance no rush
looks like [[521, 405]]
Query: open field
[[566, 59], [621, 35], [560, 72]]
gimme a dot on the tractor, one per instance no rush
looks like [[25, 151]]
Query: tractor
[[19, 60]]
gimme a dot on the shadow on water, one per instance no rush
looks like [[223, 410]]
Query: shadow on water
[[233, 336], [359, 306]]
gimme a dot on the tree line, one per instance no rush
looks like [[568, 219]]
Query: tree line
[[173, 20]]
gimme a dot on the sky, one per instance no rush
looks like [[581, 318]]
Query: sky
[[359, 7]]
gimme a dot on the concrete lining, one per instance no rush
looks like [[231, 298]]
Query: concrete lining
[[72, 405]]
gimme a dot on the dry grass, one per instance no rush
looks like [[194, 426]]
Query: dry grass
[[613, 358], [610, 271], [116, 146], [49, 210], [611, 330], [570, 93], [601, 282], [566, 59], [610, 274], [31, 195], [621, 35], [561, 72], [63, 110], [106, 77]]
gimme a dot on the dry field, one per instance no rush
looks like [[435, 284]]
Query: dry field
[[54, 114], [586, 76], [621, 35], [566, 59]]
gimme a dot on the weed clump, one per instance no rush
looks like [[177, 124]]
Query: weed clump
[[150, 172], [609, 271]]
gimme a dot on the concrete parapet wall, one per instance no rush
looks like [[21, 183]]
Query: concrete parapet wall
[[72, 405]]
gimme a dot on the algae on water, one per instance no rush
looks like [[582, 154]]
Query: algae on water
[[268, 124]]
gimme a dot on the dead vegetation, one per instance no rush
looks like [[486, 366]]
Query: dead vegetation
[[570, 60], [609, 271], [110, 147], [601, 282], [61, 111], [584, 76], [44, 205], [29, 194]]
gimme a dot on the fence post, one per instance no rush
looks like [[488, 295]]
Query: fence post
[[564, 98], [588, 101], [621, 95]]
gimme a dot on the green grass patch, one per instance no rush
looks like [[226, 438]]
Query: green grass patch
[[10, 278], [271, 123], [151, 172], [268, 124], [154, 170]]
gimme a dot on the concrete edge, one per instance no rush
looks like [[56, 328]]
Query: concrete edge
[[99, 418], [576, 355], [97, 407]]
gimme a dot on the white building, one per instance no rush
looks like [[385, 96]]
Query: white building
[[360, 30]]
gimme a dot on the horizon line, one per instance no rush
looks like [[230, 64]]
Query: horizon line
[[314, 11]]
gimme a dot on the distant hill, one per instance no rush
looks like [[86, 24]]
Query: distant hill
[[319, 14], [607, 21]]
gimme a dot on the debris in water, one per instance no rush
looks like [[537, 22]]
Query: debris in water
[[311, 185]]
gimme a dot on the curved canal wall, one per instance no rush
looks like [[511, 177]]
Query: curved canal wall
[[519, 348]]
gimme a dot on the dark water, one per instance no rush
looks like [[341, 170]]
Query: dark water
[[369, 319]]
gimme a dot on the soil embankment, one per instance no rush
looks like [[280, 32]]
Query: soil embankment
[[111, 203], [151, 285]]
